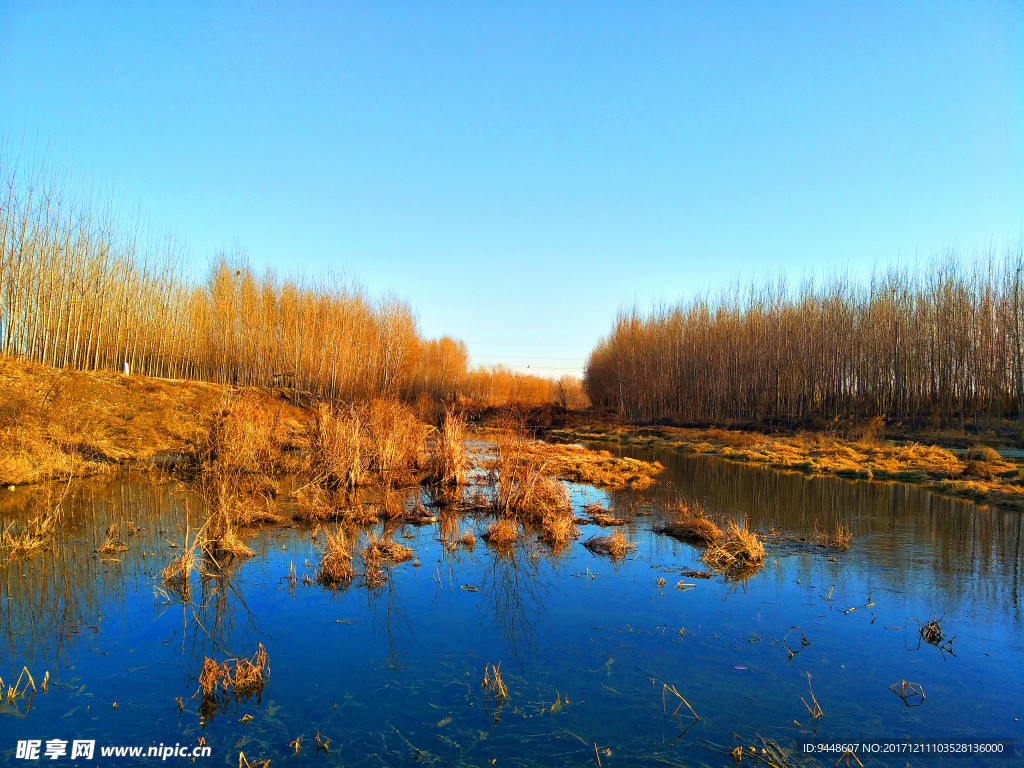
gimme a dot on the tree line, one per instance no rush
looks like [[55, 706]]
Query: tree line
[[82, 286], [935, 345]]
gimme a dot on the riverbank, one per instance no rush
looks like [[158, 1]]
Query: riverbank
[[56, 422], [980, 473]]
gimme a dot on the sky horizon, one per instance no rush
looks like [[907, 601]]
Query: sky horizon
[[518, 174]]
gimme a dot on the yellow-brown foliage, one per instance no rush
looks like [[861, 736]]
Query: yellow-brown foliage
[[738, 549], [336, 561], [692, 524], [449, 462], [615, 546]]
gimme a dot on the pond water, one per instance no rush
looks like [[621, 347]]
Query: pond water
[[586, 646]]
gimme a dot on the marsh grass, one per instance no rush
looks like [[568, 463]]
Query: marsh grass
[[614, 546], [501, 532], [112, 543], [336, 562], [236, 678], [449, 462], [691, 523], [738, 551], [839, 537]]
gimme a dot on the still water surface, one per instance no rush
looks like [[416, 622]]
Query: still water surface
[[393, 677]]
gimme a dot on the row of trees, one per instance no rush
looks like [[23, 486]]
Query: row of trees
[[936, 345], [79, 288]]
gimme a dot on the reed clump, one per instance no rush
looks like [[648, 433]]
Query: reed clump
[[691, 523], [615, 546], [336, 563], [501, 532], [378, 553], [738, 550], [449, 462], [112, 543], [236, 678], [598, 515], [838, 537]]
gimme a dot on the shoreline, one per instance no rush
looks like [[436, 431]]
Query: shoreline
[[981, 475]]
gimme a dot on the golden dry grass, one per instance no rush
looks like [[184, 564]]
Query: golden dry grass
[[692, 524], [112, 544], [838, 537], [56, 422], [739, 549], [501, 532], [981, 475], [615, 546], [239, 677], [577, 464], [336, 561], [449, 462]]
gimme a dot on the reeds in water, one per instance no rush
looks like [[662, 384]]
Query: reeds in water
[[336, 562], [838, 537], [615, 546], [692, 524], [739, 549], [449, 462]]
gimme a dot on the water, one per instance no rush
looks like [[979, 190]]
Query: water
[[393, 677]]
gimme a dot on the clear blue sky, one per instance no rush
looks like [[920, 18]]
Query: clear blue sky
[[517, 171]]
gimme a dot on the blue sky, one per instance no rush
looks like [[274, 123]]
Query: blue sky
[[519, 171]]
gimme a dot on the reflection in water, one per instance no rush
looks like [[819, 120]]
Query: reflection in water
[[921, 540], [393, 676]]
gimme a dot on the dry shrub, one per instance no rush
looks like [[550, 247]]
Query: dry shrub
[[449, 462], [336, 562], [522, 489], [838, 537], [615, 546], [739, 549], [982, 453], [692, 524], [501, 532]]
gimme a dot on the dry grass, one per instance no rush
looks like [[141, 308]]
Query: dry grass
[[692, 524], [39, 531], [235, 677], [615, 546], [336, 562], [739, 549], [378, 553], [838, 537], [598, 515], [380, 442], [559, 530], [501, 532], [493, 683], [467, 540], [981, 475], [112, 544], [56, 422], [577, 464], [449, 462], [177, 574]]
